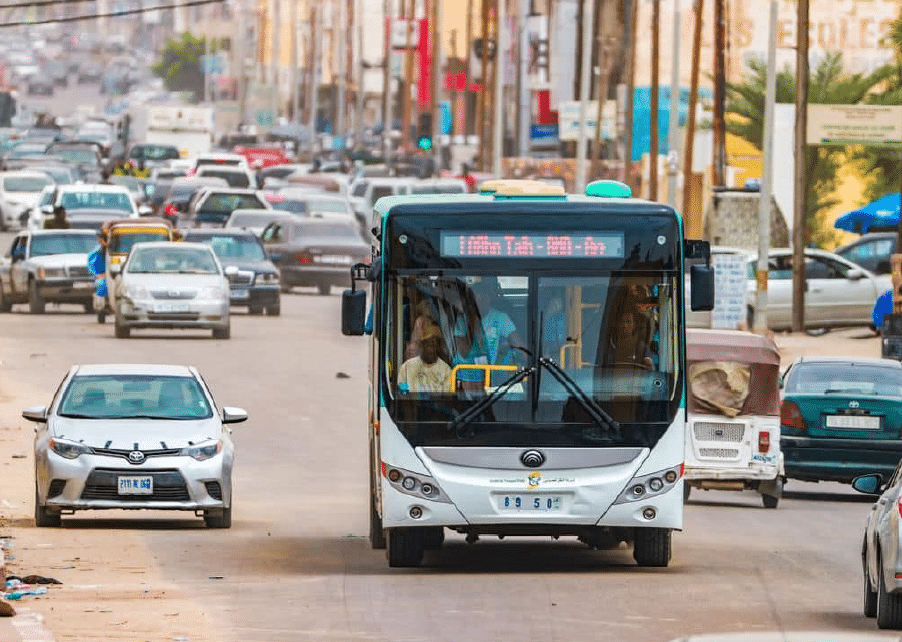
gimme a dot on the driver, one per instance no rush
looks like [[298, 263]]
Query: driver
[[625, 345]]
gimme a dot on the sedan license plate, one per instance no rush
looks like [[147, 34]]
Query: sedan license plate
[[240, 294], [530, 503], [136, 485], [83, 285], [335, 259], [170, 307], [855, 422]]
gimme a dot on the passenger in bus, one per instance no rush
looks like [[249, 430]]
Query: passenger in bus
[[424, 317], [467, 352], [624, 344], [499, 332], [426, 372]]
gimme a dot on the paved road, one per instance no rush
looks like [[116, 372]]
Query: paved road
[[296, 565]]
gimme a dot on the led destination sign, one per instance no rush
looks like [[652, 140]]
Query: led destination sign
[[531, 244]]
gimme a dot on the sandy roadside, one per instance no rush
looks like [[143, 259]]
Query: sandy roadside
[[112, 588]]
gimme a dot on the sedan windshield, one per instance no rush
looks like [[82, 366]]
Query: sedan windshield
[[134, 396], [844, 379], [47, 244], [97, 201], [158, 260], [231, 247], [25, 184]]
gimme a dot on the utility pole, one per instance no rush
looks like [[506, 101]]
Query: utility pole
[[525, 110], [719, 94], [767, 160], [480, 126], [316, 22], [632, 20], [468, 49], [388, 8], [655, 64], [437, 77], [207, 70], [276, 30], [408, 75], [293, 64], [605, 19], [342, 77], [673, 125], [801, 180], [500, 54], [690, 120], [584, 90], [361, 74]]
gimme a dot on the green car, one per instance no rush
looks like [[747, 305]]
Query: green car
[[840, 418]]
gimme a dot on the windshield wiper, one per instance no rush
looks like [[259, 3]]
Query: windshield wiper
[[78, 415], [602, 419], [487, 402]]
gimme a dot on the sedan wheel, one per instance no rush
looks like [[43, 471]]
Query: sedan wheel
[[219, 519], [889, 606], [222, 333], [36, 304], [5, 304], [44, 518], [870, 595]]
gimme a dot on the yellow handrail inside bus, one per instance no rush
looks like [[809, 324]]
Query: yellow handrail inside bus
[[486, 369]]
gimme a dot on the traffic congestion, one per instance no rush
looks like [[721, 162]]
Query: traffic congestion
[[281, 363]]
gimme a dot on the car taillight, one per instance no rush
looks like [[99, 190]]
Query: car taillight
[[304, 258], [791, 416], [763, 442], [172, 210]]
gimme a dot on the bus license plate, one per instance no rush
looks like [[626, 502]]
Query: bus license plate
[[136, 485], [860, 422], [538, 503]]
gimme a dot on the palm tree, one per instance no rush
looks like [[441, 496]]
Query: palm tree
[[828, 84]]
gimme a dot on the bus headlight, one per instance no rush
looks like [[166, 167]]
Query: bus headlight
[[414, 484], [651, 485]]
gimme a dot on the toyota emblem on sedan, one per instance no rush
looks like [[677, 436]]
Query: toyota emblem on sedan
[[136, 457], [532, 458], [853, 404]]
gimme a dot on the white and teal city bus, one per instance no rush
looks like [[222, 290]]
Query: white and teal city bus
[[527, 368]]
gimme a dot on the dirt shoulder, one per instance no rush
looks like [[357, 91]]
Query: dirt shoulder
[[112, 588]]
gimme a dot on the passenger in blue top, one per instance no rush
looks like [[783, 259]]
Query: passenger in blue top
[[467, 352], [499, 331]]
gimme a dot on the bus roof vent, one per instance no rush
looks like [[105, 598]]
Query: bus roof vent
[[609, 189], [530, 189], [492, 186]]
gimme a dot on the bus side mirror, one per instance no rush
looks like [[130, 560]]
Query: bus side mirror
[[702, 284], [353, 312]]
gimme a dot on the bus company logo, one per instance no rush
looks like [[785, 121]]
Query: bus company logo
[[533, 479]]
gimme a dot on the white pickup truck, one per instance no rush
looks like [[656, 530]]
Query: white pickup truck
[[47, 266]]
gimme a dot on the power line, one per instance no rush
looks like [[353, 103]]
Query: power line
[[94, 16], [38, 3]]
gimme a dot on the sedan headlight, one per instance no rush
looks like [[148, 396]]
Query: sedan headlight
[[135, 292], [213, 292], [68, 449], [44, 273], [267, 278], [200, 453]]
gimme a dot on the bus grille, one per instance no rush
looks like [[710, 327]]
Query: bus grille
[[718, 431], [719, 453]]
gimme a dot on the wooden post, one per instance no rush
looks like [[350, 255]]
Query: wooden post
[[655, 63], [408, 76], [630, 93], [801, 179], [719, 94], [689, 215]]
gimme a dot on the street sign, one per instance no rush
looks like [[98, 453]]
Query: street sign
[[872, 125], [544, 134], [265, 118], [212, 64], [568, 119], [730, 283]]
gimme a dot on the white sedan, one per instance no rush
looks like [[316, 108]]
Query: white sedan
[[133, 437]]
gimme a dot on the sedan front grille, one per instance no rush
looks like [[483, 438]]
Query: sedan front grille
[[173, 294], [718, 431], [77, 270], [116, 452], [173, 316], [168, 486]]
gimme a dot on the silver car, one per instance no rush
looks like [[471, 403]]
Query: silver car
[[134, 437], [172, 285], [880, 551]]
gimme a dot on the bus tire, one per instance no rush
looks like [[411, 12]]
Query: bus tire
[[404, 547], [377, 534], [433, 538], [652, 547]]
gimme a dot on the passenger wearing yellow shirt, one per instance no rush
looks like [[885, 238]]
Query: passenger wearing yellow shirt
[[426, 372]]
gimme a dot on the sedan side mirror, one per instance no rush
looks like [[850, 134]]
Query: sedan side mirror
[[115, 268], [144, 210], [37, 414], [233, 415], [868, 484], [46, 209], [855, 275], [702, 284]]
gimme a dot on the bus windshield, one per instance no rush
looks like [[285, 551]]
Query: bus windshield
[[607, 340]]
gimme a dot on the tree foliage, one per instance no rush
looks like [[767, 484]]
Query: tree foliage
[[828, 84], [180, 65]]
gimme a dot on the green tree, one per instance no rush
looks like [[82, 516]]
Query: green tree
[[180, 65], [828, 84]]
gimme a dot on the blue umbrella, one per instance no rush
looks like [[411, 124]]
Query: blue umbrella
[[882, 214]]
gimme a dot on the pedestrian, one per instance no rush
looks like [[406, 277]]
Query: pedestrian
[[58, 222]]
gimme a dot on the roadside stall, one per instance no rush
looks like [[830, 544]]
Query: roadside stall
[[733, 432]]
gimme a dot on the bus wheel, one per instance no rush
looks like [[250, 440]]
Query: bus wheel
[[404, 547], [433, 538], [652, 547], [377, 534]]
